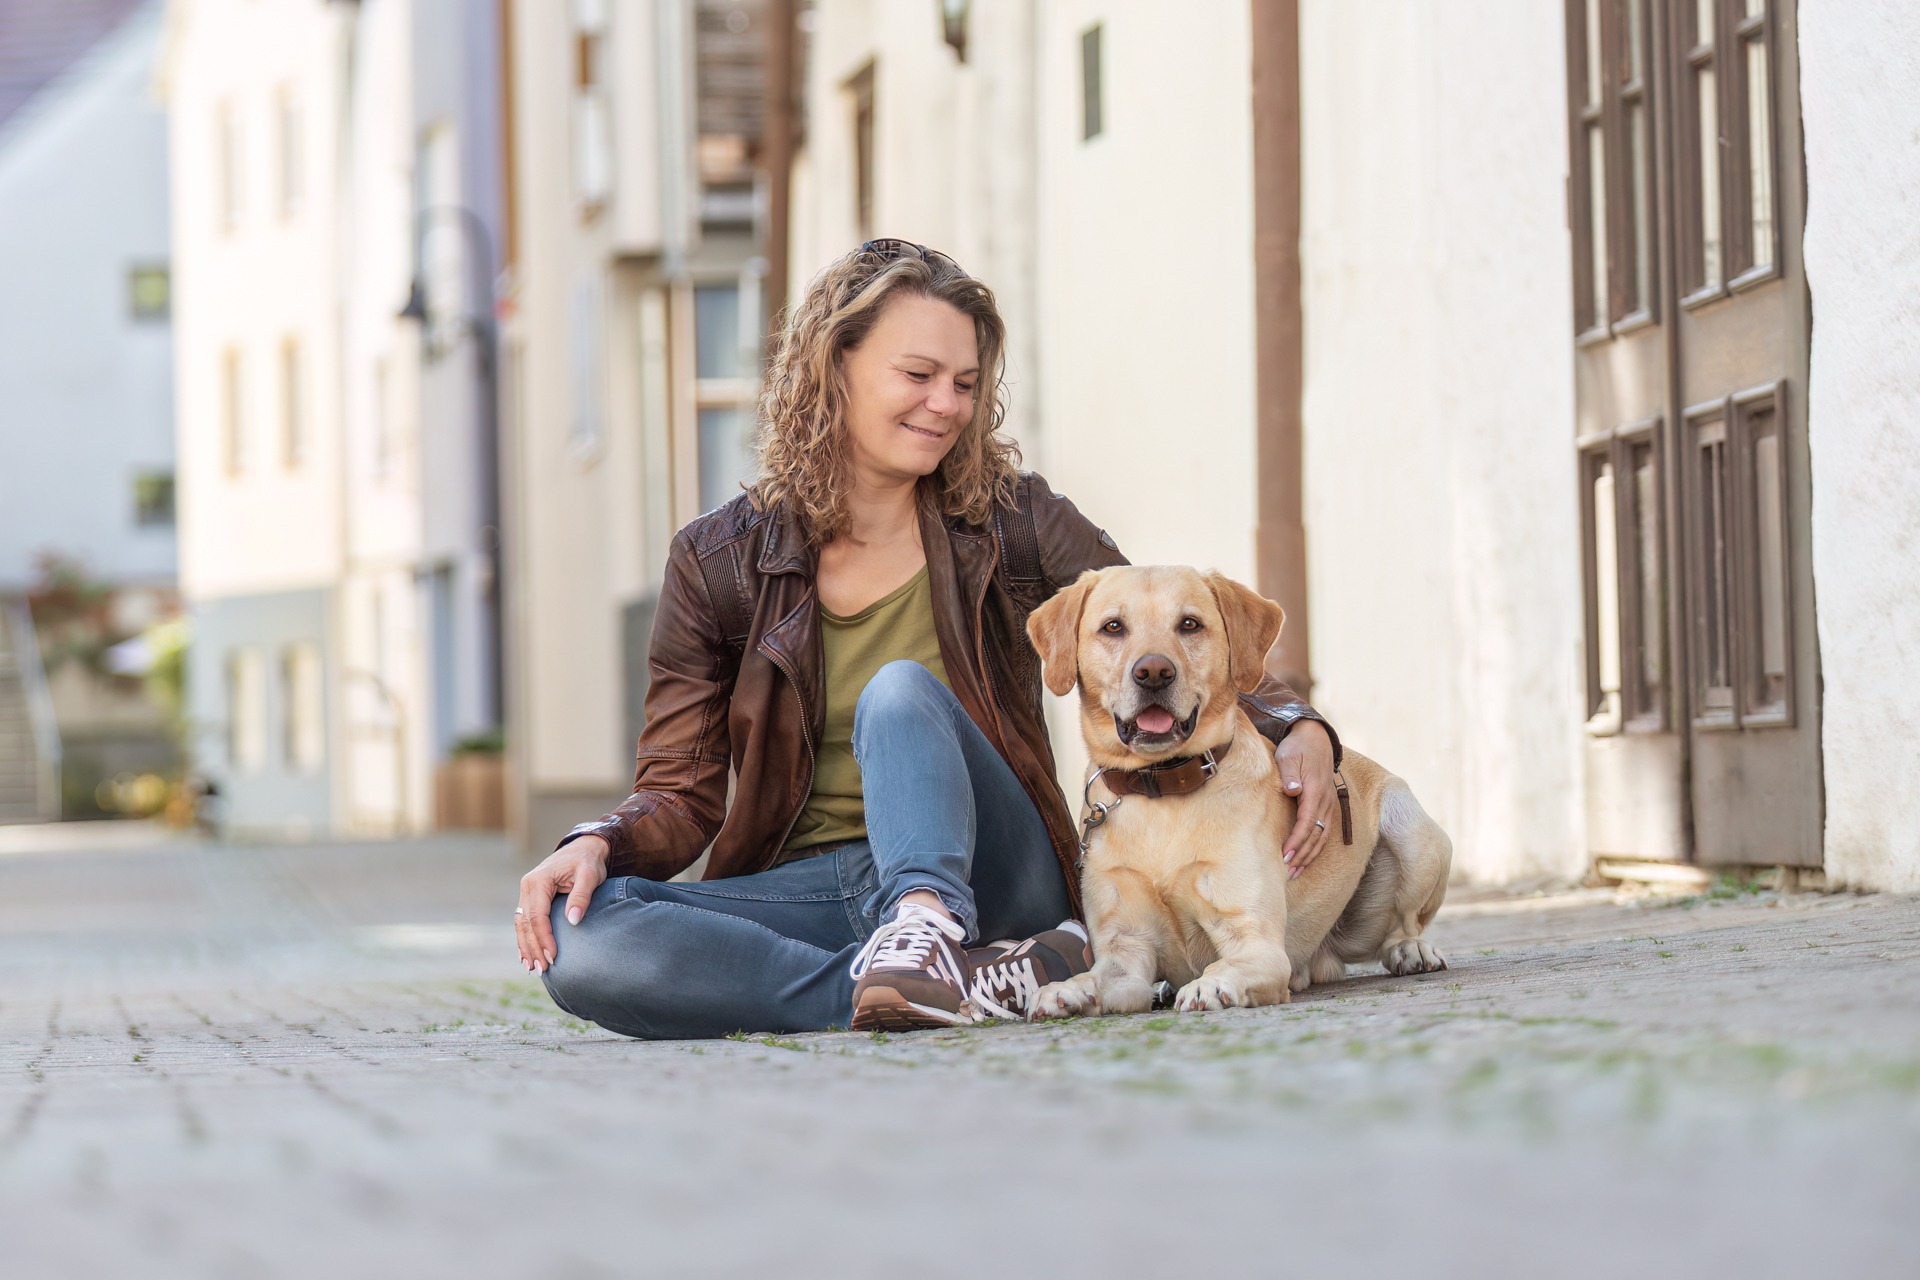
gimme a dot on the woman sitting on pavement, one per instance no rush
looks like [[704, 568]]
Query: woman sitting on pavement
[[849, 637]]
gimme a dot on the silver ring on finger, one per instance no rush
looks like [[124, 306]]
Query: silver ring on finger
[[1319, 824], [519, 911]]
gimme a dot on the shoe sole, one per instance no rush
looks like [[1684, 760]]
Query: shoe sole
[[884, 1009]]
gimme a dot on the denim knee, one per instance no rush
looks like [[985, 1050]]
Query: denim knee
[[592, 976], [900, 689]]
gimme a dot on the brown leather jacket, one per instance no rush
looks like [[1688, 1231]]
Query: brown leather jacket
[[754, 700]]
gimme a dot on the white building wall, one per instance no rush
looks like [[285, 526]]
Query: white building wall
[[1146, 286], [954, 160], [1863, 267], [86, 391], [272, 526], [387, 687], [1441, 531]]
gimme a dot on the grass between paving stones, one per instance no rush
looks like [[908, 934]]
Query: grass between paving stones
[[1378, 1055]]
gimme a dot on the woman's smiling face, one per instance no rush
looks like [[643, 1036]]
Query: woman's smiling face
[[910, 389]]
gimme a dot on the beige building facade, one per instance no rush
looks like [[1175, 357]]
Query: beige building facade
[[631, 340]]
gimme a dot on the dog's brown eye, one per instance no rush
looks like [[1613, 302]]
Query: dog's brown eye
[[1113, 627], [1189, 624]]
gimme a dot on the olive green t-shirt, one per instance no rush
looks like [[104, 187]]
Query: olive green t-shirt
[[898, 625]]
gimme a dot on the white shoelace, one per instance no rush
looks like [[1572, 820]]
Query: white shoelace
[[1013, 978], [906, 941]]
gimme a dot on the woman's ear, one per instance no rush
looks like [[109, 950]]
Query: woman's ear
[[1054, 629], [1253, 623]]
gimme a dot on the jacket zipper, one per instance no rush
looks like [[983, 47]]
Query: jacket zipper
[[806, 735]]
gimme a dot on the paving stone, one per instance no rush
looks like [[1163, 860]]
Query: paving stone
[[322, 1059]]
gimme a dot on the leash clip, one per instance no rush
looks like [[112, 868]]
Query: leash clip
[[1096, 812]]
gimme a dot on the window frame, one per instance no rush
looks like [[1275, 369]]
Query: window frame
[[1620, 91], [1711, 714], [739, 393], [1736, 414], [137, 310], [1635, 632], [863, 127], [1743, 408], [233, 411], [1726, 55], [1093, 83], [290, 154], [293, 403]]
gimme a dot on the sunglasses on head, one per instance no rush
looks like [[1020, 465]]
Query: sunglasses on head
[[888, 248]]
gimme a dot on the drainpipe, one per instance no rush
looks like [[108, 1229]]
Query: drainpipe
[[1280, 541], [777, 136]]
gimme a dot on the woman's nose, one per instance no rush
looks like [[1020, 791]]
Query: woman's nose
[[942, 399]]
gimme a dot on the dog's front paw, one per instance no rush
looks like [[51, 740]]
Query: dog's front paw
[[1413, 955], [1216, 991], [1069, 999]]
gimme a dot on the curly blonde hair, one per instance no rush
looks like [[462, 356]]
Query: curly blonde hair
[[801, 436]]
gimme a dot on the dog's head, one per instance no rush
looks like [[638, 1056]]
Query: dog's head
[[1159, 653]]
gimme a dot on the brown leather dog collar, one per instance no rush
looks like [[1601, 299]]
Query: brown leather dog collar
[[1179, 777]]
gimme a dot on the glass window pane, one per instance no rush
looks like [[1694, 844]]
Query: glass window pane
[[303, 700], [726, 454], [1593, 52], [233, 412], [1092, 115], [1606, 564], [1648, 643], [1760, 151], [1638, 176], [1710, 238], [293, 444], [246, 711], [1770, 532], [1597, 224], [1715, 656], [148, 288], [1635, 40], [716, 322], [1703, 26], [1754, 8]]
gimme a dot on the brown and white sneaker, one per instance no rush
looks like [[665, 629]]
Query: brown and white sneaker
[[1007, 975], [912, 974]]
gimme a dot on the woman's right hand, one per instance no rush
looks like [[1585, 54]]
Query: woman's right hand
[[576, 869]]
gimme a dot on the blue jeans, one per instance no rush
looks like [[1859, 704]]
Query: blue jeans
[[769, 952]]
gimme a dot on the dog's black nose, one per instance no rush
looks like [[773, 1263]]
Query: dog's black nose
[[1153, 672]]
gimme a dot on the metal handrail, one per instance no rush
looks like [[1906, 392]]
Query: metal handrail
[[39, 700]]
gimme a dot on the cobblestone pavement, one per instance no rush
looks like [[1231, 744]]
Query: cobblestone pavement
[[304, 1060]]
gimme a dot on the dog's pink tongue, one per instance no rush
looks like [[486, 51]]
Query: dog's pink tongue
[[1154, 720]]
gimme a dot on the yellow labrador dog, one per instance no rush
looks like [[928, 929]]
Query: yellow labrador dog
[[1182, 878]]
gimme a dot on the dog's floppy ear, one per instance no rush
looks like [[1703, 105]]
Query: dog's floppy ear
[[1253, 624], [1054, 629]]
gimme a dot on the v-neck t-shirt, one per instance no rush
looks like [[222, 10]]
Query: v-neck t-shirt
[[899, 625]]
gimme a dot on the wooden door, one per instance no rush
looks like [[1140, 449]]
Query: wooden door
[[1686, 200]]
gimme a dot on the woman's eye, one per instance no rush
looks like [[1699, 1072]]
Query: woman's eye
[[1189, 624], [918, 377], [1113, 627], [964, 388]]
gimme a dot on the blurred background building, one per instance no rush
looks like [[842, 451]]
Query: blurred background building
[[1481, 335], [87, 497]]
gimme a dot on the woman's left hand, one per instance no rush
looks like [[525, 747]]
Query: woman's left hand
[[1305, 757]]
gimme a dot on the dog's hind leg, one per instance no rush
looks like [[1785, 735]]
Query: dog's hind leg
[[1425, 857], [1325, 966]]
